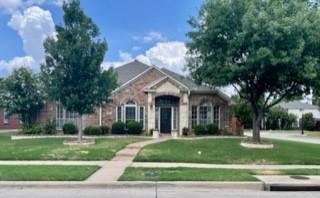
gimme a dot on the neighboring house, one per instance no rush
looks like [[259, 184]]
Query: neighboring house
[[299, 108], [157, 98], [8, 122]]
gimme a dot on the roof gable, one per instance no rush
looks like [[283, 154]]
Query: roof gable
[[129, 71]]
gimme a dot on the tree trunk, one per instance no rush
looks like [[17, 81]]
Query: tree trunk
[[80, 128], [256, 121]]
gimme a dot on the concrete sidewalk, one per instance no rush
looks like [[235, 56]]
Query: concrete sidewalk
[[227, 166], [112, 170]]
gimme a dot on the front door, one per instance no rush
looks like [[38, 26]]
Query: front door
[[165, 120]]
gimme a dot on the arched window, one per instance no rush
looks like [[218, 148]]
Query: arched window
[[130, 108], [205, 112]]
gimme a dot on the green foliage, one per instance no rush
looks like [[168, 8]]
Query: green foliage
[[104, 129], [185, 131], [199, 129], [279, 118], [21, 93], [92, 130], [212, 129], [269, 50], [49, 127], [242, 111], [72, 72], [69, 129], [134, 127], [33, 130], [118, 128], [309, 123]]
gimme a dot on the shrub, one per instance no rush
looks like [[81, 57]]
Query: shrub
[[49, 127], [309, 122], [92, 130], [134, 127], [199, 129], [185, 131], [70, 129], [212, 129], [33, 130], [104, 129], [118, 128]]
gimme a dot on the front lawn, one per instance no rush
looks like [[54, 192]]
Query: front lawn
[[45, 172], [53, 148], [229, 151], [205, 174]]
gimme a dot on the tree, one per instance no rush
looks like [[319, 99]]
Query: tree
[[21, 93], [72, 72], [267, 50], [241, 110], [308, 122], [279, 118]]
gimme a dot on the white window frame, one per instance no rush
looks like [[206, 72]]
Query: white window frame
[[208, 113], [213, 115], [130, 105], [143, 118], [197, 117], [5, 117], [60, 121], [174, 118], [117, 112]]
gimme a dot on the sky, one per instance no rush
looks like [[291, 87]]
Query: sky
[[152, 31]]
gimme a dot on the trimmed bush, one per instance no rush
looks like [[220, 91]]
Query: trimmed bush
[[134, 128], [33, 130], [69, 129], [199, 129], [104, 129], [212, 129], [92, 130], [309, 122], [49, 127], [118, 128], [185, 131]]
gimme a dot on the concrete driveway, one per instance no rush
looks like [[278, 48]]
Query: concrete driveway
[[308, 137]]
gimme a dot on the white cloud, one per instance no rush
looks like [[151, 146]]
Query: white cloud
[[150, 37], [6, 67], [170, 55], [34, 25], [11, 6]]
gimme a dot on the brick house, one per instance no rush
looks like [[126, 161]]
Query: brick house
[[157, 98]]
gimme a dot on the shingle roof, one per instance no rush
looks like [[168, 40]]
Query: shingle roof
[[130, 70], [133, 69], [297, 105]]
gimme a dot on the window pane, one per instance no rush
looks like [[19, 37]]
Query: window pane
[[216, 115], [130, 114], [119, 113], [205, 114], [157, 118]]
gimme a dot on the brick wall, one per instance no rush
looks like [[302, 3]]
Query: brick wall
[[13, 121], [214, 99], [133, 91]]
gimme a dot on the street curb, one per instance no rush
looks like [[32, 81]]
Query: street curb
[[219, 185]]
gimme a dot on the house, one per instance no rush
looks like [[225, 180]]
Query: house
[[299, 108], [8, 122], [159, 99]]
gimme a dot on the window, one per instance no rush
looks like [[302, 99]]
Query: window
[[118, 113], [205, 113], [141, 114], [174, 118], [157, 115], [194, 116], [63, 116], [216, 115], [5, 117], [130, 111]]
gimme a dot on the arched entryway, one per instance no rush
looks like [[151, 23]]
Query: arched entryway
[[167, 113]]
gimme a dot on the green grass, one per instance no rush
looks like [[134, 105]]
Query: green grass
[[206, 174], [187, 174], [53, 148], [45, 172], [229, 151]]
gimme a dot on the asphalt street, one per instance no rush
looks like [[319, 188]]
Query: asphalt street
[[146, 193]]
